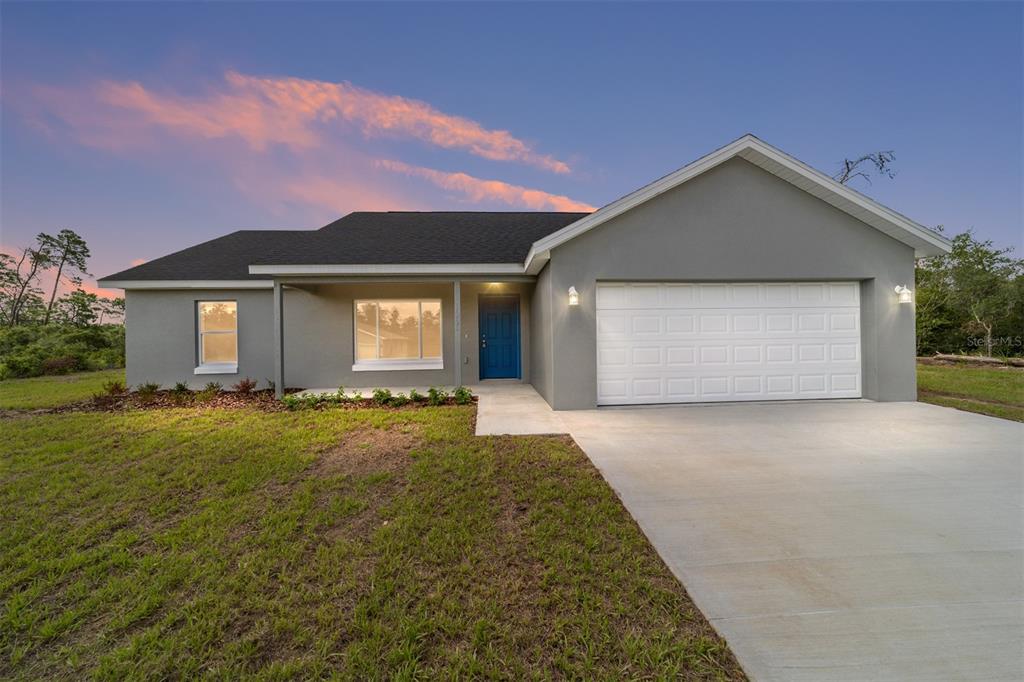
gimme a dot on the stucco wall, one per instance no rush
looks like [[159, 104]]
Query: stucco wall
[[318, 336], [541, 374], [734, 223], [160, 336]]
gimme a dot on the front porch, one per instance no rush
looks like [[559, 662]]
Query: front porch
[[384, 332]]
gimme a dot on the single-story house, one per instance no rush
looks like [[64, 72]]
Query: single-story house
[[745, 275]]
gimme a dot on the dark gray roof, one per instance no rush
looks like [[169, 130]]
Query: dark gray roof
[[397, 237]]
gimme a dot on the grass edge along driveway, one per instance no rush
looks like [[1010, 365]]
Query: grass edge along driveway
[[989, 390], [364, 544]]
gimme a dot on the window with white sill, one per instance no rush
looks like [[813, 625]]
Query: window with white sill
[[397, 334], [218, 337]]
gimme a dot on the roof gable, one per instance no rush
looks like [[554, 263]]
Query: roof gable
[[925, 242]]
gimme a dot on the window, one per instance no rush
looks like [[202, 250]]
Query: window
[[218, 337], [398, 334]]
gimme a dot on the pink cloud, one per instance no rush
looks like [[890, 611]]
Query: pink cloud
[[262, 111], [477, 189], [138, 261]]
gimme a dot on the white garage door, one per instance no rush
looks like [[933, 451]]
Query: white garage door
[[688, 343]]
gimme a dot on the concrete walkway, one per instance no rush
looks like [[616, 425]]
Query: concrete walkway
[[833, 541], [508, 408]]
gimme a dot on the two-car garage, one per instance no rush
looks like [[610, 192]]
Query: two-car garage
[[713, 341]]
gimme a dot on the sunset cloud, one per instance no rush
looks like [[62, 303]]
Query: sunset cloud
[[296, 112], [477, 189]]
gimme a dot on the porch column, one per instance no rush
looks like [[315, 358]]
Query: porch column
[[457, 293], [278, 340]]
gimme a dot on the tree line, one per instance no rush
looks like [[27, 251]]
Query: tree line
[[970, 300], [65, 256], [45, 331]]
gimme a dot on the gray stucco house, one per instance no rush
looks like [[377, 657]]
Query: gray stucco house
[[745, 275]]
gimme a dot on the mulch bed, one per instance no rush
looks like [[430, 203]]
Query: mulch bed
[[263, 400]]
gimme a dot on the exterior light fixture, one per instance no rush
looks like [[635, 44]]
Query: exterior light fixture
[[574, 296], [904, 294]]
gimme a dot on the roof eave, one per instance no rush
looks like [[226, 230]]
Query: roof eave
[[307, 269]]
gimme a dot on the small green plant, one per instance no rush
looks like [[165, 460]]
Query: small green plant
[[147, 389], [209, 392], [381, 396], [114, 387], [399, 400], [271, 384], [292, 401], [416, 397], [462, 396], [245, 386], [436, 396], [181, 393], [357, 396]]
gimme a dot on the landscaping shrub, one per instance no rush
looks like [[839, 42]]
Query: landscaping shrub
[[149, 388], [181, 393], [416, 397], [399, 400], [209, 391], [436, 396], [34, 350], [62, 365], [114, 387], [462, 396], [246, 386], [381, 396]]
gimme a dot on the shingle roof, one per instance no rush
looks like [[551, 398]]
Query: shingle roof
[[397, 237]]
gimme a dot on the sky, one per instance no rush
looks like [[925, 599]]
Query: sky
[[150, 127]]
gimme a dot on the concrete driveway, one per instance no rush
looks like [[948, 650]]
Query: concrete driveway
[[833, 540]]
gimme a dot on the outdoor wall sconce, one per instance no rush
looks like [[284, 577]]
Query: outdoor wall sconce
[[904, 294], [574, 296]]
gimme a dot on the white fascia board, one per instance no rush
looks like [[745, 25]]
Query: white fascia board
[[391, 269], [186, 284], [925, 241]]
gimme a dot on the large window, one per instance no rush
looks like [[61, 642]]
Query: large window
[[398, 334], [218, 337]]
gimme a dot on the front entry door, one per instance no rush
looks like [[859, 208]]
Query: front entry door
[[499, 337]]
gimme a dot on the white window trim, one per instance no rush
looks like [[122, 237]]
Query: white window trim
[[214, 367], [397, 364], [217, 368]]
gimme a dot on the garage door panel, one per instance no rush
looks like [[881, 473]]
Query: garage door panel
[[766, 341]]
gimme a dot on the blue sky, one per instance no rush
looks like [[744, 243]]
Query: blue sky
[[119, 120]]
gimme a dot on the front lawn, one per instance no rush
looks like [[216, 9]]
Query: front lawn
[[995, 391], [44, 392], [370, 544]]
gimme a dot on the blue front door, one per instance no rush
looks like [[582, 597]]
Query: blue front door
[[499, 337]]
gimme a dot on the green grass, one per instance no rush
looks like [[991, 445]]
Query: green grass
[[361, 544], [995, 391], [44, 392]]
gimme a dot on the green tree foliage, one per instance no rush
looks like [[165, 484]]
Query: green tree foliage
[[21, 296], [32, 350], [971, 300], [58, 334], [69, 254]]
